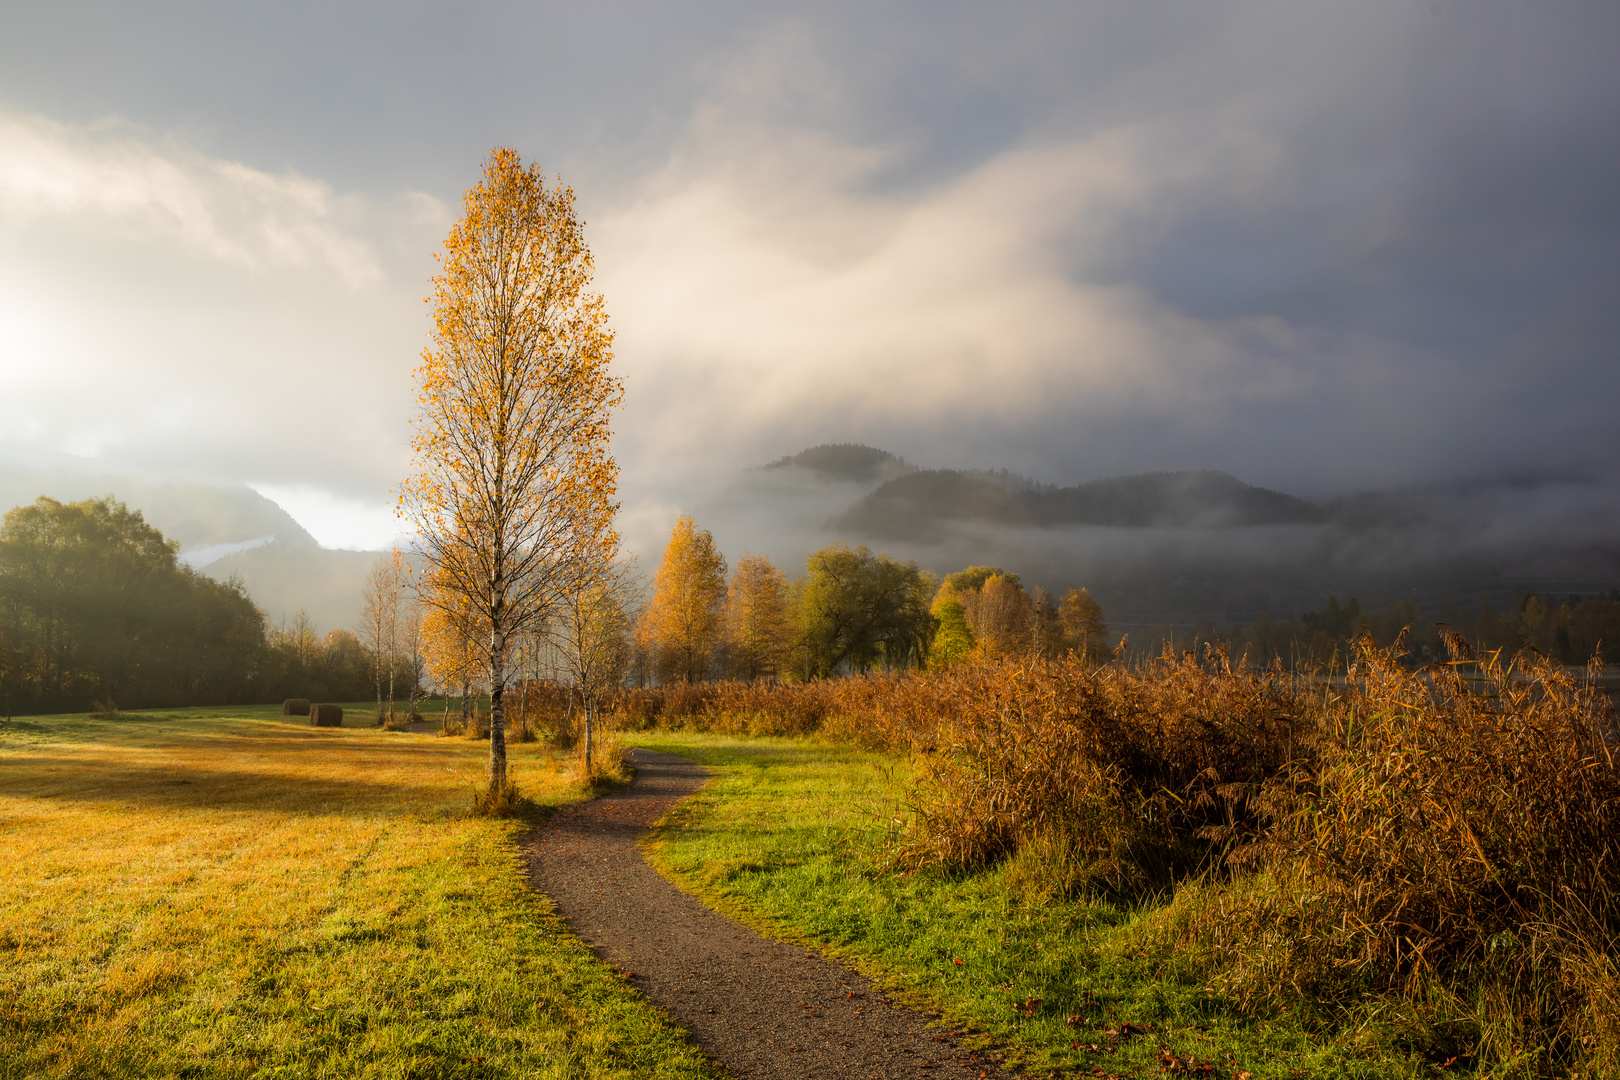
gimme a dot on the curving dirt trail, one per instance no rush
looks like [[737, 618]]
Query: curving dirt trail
[[760, 1007]]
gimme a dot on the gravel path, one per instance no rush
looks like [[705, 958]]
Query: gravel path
[[760, 1007]]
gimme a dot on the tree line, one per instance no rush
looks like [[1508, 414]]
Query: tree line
[[851, 611], [98, 611], [1568, 629]]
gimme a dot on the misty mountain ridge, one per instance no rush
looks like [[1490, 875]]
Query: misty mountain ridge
[[224, 530], [207, 520], [1183, 547], [916, 506], [845, 463]]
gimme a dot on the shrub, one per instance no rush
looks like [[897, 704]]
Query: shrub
[[1123, 778], [1455, 839], [1430, 853], [505, 802]]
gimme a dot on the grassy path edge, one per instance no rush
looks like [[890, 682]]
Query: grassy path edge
[[890, 979], [1191, 1018]]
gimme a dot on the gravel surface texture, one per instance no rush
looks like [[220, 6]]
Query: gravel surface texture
[[761, 1008]]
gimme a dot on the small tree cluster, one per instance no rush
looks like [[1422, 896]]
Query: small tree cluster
[[390, 630], [851, 611], [983, 613]]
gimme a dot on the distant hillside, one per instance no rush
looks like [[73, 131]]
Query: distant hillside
[[223, 529], [916, 506], [845, 462], [284, 579], [205, 518]]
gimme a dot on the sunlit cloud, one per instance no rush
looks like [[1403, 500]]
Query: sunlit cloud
[[109, 173], [771, 292], [171, 313]]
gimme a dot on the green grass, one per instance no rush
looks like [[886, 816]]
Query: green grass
[[790, 837], [222, 893]]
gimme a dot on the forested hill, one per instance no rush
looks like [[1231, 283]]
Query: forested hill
[[839, 462], [914, 506], [206, 519]]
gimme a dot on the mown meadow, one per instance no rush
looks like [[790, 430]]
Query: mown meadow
[[225, 893]]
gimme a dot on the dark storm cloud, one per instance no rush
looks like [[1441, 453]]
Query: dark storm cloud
[[1321, 246]]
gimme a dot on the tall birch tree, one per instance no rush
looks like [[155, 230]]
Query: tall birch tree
[[512, 489]]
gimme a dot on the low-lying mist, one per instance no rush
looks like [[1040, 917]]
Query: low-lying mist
[[1448, 549]]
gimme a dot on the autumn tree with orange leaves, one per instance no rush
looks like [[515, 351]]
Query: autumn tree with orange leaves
[[680, 627], [757, 623], [512, 488]]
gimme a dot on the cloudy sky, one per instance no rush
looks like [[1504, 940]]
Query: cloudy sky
[[1324, 247]]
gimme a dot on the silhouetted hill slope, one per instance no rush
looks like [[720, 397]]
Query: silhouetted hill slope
[[845, 462], [915, 506], [284, 579], [198, 515]]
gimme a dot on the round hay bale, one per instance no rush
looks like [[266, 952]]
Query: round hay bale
[[295, 706], [326, 716]]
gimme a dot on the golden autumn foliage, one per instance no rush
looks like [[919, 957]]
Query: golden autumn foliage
[[680, 627], [450, 643], [997, 616], [512, 491], [1084, 629], [757, 623], [1001, 617]]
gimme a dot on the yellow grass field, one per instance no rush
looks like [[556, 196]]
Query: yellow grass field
[[233, 893]]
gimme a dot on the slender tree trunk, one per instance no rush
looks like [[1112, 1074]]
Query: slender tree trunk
[[497, 727], [590, 714]]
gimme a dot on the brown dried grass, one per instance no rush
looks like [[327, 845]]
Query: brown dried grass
[[1123, 779], [1454, 839], [1432, 852]]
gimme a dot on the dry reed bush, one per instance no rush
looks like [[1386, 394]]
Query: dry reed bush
[[1453, 841], [398, 721], [608, 764], [731, 707], [476, 724], [505, 802], [1108, 776]]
